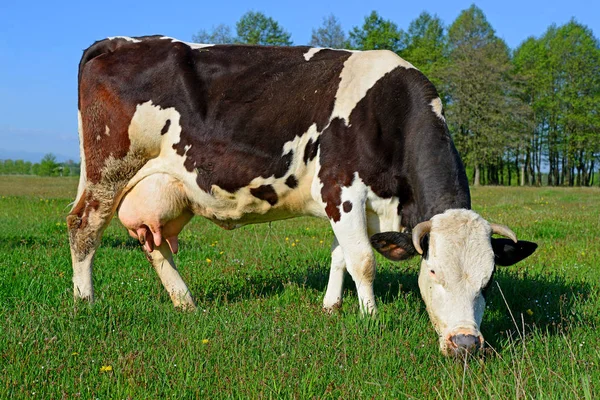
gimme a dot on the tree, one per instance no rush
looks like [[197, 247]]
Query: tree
[[484, 110], [330, 34], [48, 165], [563, 89], [425, 46], [375, 34], [221, 34], [9, 167], [256, 28]]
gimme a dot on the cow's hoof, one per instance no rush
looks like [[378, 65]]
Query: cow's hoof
[[89, 299], [335, 308], [186, 306]]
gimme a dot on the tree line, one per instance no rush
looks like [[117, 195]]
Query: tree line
[[524, 116], [48, 166]]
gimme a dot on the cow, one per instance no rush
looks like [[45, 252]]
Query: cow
[[247, 134]]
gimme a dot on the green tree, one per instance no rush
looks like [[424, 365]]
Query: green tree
[[484, 108], [48, 165], [530, 59], [376, 33], [256, 28], [221, 34], [9, 167], [425, 46], [330, 34], [562, 70]]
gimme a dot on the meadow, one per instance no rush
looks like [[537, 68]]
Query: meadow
[[259, 331]]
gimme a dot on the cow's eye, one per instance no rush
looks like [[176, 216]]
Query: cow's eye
[[432, 273]]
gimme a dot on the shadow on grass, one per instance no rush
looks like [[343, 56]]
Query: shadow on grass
[[61, 238], [548, 304], [519, 304]]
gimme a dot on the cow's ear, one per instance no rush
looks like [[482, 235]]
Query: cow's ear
[[395, 246], [507, 252]]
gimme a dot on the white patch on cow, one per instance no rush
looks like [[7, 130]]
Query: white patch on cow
[[311, 52], [436, 106], [382, 214], [361, 71], [192, 45], [227, 209], [462, 261], [82, 173], [129, 39], [146, 125]]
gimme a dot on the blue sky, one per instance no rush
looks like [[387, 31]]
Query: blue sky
[[41, 43]]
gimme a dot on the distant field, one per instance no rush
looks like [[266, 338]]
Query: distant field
[[260, 332]]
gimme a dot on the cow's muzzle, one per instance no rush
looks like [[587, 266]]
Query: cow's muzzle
[[462, 344]]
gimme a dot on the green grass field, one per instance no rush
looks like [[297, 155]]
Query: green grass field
[[259, 331]]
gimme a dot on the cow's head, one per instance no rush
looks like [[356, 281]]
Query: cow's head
[[459, 258]]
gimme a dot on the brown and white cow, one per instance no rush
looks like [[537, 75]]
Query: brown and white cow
[[244, 134]]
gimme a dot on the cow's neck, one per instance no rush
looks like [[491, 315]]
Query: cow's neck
[[435, 177]]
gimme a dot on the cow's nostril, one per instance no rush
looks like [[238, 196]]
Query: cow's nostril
[[468, 343]]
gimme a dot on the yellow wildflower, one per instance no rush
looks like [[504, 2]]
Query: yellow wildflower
[[204, 341], [106, 368], [208, 260], [529, 312]]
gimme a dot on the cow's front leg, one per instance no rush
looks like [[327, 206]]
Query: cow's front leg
[[335, 286], [351, 233], [161, 259]]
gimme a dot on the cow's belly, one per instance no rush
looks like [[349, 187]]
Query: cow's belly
[[158, 206]]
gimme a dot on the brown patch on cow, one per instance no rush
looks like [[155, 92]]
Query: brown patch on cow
[[310, 151], [329, 196], [265, 192], [337, 169], [103, 105], [347, 205], [165, 128], [291, 182]]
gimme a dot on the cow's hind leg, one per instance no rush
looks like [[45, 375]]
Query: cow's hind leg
[[85, 223], [161, 259]]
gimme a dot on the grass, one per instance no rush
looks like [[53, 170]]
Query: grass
[[260, 332]]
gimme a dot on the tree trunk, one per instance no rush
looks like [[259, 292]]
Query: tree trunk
[[508, 165], [476, 181], [522, 183], [526, 169]]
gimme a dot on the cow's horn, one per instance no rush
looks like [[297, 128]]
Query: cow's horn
[[504, 230], [418, 232]]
